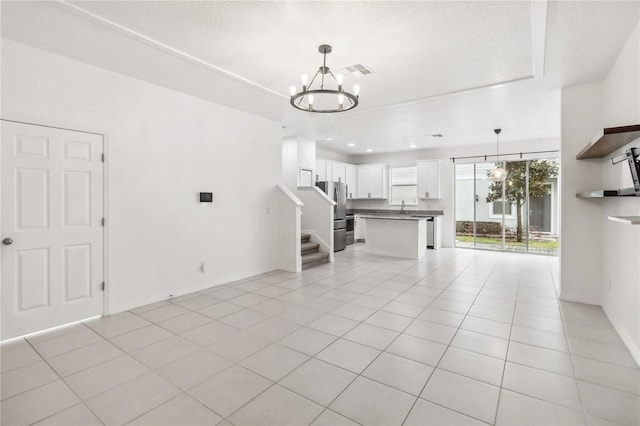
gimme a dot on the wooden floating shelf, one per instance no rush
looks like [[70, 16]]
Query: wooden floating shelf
[[611, 139], [628, 220], [602, 193]]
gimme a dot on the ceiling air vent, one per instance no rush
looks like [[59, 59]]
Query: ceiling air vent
[[359, 68]]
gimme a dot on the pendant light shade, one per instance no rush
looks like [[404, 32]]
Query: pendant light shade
[[498, 174]]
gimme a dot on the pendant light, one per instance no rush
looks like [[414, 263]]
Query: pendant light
[[498, 174]]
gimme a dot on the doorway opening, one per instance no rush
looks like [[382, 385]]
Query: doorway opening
[[519, 214]]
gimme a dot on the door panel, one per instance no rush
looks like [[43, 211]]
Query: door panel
[[52, 186], [32, 279], [77, 198], [32, 198]]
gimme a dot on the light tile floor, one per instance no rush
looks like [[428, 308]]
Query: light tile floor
[[462, 337]]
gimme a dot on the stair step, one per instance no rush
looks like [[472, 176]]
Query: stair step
[[314, 256], [308, 248], [314, 259], [305, 238]]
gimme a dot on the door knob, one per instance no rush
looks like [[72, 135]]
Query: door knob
[[7, 241]]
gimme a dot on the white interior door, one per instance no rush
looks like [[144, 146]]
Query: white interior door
[[52, 233]]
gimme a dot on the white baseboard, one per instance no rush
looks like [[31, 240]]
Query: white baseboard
[[626, 339]]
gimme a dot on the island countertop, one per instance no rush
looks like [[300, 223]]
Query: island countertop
[[394, 217], [383, 212]]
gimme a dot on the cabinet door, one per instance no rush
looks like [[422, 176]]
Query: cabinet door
[[338, 172], [321, 170], [364, 190], [359, 228], [376, 181], [429, 179], [351, 179]]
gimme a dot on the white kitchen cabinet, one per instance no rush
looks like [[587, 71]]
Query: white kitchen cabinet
[[338, 171], [359, 228], [372, 181], [428, 179], [351, 178], [321, 170]]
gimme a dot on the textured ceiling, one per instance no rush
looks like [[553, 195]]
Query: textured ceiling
[[453, 67], [416, 49]]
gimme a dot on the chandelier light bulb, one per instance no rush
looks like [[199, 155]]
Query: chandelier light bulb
[[356, 90], [292, 90], [304, 78], [310, 100], [341, 99], [339, 78]]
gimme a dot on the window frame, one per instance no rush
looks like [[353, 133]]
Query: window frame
[[493, 215], [414, 185]]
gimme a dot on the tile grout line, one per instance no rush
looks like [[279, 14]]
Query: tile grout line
[[506, 355], [444, 352]]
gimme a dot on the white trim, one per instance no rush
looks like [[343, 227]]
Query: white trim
[[493, 215], [48, 330], [624, 336], [295, 200]]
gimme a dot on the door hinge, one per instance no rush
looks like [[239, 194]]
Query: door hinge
[[102, 157], [102, 221], [102, 286]]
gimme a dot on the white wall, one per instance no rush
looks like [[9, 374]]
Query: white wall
[[334, 156], [290, 175], [307, 155], [447, 178], [621, 243], [581, 219], [163, 148]]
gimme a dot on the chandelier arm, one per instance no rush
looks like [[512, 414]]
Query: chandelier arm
[[312, 80]]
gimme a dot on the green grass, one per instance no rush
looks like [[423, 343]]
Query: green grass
[[548, 245]]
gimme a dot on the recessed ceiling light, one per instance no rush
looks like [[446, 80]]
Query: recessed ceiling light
[[328, 138], [351, 144], [369, 150], [413, 145]]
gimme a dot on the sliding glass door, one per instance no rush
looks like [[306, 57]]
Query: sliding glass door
[[519, 214]]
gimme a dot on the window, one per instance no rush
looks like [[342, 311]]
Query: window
[[404, 186], [496, 208]]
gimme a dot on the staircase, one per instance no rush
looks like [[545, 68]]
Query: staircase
[[311, 256]]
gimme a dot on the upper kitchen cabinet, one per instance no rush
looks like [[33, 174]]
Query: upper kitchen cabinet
[[351, 178], [429, 179], [338, 171], [321, 170], [372, 181]]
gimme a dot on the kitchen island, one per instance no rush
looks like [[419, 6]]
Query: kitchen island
[[399, 236]]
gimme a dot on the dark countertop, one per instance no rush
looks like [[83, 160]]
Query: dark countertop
[[380, 212]]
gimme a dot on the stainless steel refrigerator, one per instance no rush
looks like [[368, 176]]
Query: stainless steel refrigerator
[[337, 191]]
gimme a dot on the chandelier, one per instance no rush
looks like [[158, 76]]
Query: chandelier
[[497, 174], [328, 100]]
